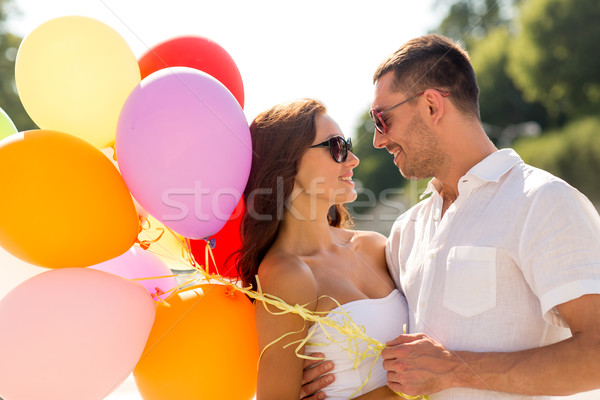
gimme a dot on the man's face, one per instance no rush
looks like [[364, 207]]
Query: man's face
[[413, 144]]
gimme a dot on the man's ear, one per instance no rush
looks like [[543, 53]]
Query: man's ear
[[435, 104]]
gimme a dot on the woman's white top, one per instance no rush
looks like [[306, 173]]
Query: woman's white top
[[383, 320]]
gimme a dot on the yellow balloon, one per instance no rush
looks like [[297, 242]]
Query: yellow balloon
[[63, 203], [204, 346], [155, 237], [168, 245], [73, 75]]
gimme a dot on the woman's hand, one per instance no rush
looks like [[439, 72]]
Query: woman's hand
[[316, 377]]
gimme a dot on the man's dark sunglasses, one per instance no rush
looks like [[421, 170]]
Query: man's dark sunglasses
[[377, 116]]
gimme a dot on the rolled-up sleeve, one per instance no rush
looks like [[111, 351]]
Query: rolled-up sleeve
[[560, 247]]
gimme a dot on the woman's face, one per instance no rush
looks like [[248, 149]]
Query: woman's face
[[319, 175]]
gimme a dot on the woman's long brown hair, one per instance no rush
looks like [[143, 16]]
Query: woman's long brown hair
[[280, 136]]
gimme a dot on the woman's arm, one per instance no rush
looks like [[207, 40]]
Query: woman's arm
[[381, 393], [280, 369]]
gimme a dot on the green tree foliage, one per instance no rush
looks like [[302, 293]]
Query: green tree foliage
[[538, 67], [553, 57], [468, 21], [501, 103], [376, 171], [485, 29], [9, 100], [572, 153]]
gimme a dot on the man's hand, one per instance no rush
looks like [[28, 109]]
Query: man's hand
[[315, 377], [417, 365]]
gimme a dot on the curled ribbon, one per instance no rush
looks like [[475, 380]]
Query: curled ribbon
[[352, 332]]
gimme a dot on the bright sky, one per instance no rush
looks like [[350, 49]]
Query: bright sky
[[323, 49]]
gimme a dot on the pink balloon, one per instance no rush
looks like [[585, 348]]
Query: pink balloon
[[184, 150], [71, 334], [137, 263]]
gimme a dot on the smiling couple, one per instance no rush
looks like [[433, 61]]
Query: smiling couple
[[496, 274]]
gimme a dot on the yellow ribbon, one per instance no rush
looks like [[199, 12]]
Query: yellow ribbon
[[352, 332]]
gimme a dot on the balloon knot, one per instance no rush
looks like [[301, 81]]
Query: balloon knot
[[158, 292], [212, 242]]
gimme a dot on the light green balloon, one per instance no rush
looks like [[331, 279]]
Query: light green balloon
[[7, 127]]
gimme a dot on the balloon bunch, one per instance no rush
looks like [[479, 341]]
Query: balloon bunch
[[133, 161], [130, 176]]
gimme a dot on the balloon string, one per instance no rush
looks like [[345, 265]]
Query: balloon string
[[145, 244], [186, 252], [185, 257], [154, 277], [353, 333], [208, 252], [114, 149]]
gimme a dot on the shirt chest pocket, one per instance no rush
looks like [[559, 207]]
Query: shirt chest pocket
[[470, 287]]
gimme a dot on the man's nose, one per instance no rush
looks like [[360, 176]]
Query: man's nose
[[379, 139]]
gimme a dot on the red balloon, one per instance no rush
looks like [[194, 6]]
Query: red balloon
[[199, 53], [226, 241]]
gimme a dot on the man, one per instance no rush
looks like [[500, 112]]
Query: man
[[500, 265]]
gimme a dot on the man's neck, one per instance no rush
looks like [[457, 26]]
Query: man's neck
[[460, 164]]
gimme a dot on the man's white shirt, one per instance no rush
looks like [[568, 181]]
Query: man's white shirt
[[487, 276]]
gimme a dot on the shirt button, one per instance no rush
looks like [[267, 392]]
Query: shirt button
[[431, 255], [422, 304]]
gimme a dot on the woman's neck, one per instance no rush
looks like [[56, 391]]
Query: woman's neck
[[305, 229]]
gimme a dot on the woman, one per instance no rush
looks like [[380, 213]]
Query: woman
[[294, 239]]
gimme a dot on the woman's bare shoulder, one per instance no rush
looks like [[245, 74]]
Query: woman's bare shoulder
[[372, 239], [371, 245], [286, 276]]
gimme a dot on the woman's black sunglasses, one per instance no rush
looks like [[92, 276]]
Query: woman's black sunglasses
[[338, 147]]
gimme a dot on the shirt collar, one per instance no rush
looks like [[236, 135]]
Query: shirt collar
[[490, 169], [431, 188], [494, 166]]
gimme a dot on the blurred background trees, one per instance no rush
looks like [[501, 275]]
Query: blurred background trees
[[9, 44], [539, 76]]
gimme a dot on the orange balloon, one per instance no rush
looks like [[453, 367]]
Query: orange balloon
[[64, 204], [203, 346]]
